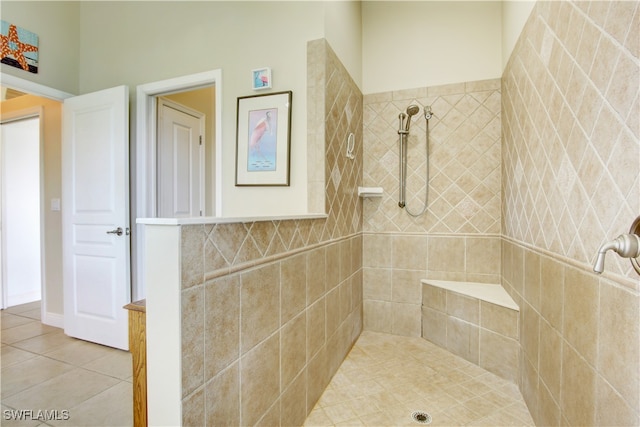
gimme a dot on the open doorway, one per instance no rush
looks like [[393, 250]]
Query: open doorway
[[21, 231]]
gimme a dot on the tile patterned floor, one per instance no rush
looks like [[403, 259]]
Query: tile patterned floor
[[385, 378], [43, 369]]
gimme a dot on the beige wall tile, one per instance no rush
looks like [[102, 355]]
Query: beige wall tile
[[578, 388], [530, 329], [333, 311], [463, 307], [500, 355], [532, 279], [192, 339], [552, 292], [222, 324], [377, 251], [316, 275], [619, 341], [222, 397], [293, 408], [611, 407], [409, 252], [462, 339], [293, 349], [405, 319], [434, 326], [192, 255], [580, 320], [548, 409], [499, 319], [406, 286], [550, 359], [260, 304], [377, 283], [332, 267], [377, 316], [529, 382], [315, 327], [260, 379], [434, 297], [193, 409], [293, 286], [446, 254], [317, 377], [483, 255], [271, 417]]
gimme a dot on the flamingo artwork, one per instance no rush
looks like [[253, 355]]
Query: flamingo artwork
[[262, 141]]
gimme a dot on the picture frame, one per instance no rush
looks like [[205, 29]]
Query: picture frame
[[261, 78], [263, 139]]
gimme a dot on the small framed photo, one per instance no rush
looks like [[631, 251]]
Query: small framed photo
[[263, 140], [261, 78]]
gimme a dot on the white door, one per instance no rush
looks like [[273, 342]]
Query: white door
[[95, 220], [20, 170], [180, 161]]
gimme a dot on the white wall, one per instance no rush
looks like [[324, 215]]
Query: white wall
[[343, 31], [416, 44], [514, 16], [140, 42]]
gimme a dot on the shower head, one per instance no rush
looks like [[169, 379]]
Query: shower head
[[412, 110]]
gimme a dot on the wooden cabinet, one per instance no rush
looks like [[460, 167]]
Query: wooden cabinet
[[138, 349]]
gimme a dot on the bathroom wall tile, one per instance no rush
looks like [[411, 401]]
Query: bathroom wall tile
[[293, 408], [192, 337], [550, 359], [221, 324], [344, 250], [377, 316], [260, 379], [611, 408], [332, 266], [405, 319], [530, 329], [293, 349], [548, 409], [462, 339], [532, 279], [434, 297], [344, 294], [517, 269], [578, 388], [499, 319], [499, 354], [409, 252], [192, 255], [483, 255], [377, 283], [619, 352], [317, 377], [260, 304], [406, 286], [580, 320], [333, 311], [529, 383], [463, 307], [271, 417], [293, 286], [376, 251], [446, 254], [193, 409], [434, 326], [552, 292], [315, 327], [222, 397], [316, 275]]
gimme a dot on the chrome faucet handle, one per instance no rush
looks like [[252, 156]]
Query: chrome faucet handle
[[625, 245]]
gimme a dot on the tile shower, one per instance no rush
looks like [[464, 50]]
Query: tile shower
[[523, 179]]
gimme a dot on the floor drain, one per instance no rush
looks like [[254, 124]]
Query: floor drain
[[421, 417]]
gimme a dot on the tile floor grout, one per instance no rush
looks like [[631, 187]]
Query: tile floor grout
[[385, 378], [45, 370]]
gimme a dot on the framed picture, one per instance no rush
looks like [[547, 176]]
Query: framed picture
[[263, 140], [261, 78]]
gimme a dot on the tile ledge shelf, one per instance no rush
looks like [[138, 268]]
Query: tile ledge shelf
[[225, 220], [489, 292]]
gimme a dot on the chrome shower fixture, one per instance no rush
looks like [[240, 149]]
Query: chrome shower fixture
[[427, 112]]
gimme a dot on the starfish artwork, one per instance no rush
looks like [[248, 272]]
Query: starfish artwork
[[19, 47]]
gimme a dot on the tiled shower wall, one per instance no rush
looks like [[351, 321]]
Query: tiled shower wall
[[270, 309], [571, 170], [458, 238]]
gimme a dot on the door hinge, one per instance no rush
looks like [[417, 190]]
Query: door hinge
[[200, 213], [200, 139]]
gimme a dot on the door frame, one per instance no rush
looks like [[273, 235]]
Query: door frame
[[43, 91], [146, 126], [6, 118], [165, 102]]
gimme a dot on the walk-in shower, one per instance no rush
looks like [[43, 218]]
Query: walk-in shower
[[404, 119]]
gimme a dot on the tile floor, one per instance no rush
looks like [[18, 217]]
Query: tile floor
[[385, 378], [43, 369]]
